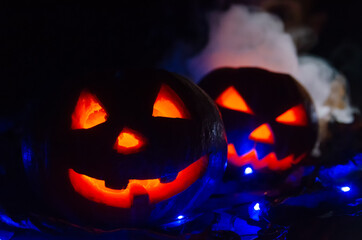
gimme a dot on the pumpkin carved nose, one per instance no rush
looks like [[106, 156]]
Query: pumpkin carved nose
[[129, 141], [263, 134]]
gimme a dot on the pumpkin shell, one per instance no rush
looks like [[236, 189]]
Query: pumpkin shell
[[44, 148], [266, 97]]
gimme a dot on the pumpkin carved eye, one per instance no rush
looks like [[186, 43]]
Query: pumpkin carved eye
[[295, 116], [88, 112], [168, 104], [231, 99]]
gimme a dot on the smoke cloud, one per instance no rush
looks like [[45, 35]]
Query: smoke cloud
[[246, 37], [328, 89], [241, 37]]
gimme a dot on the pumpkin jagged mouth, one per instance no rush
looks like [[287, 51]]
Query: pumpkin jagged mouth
[[271, 161], [95, 190]]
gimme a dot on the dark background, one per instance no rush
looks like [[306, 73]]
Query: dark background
[[43, 47]]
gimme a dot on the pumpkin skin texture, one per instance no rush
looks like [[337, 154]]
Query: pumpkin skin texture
[[269, 118], [119, 149]]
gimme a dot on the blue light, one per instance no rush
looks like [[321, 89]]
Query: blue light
[[240, 226], [5, 235], [27, 155], [248, 171], [180, 217], [25, 224], [255, 211], [345, 189]]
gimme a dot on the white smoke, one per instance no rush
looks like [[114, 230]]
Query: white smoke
[[240, 37], [328, 89], [244, 37]]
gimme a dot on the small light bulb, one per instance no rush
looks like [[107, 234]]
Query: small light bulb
[[345, 189], [248, 171], [257, 207], [180, 217]]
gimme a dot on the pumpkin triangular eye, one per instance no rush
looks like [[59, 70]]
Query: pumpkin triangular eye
[[88, 112], [169, 104], [231, 99], [295, 116]]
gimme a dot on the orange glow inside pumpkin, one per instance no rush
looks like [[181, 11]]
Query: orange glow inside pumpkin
[[231, 99], [169, 104], [129, 141], [262, 134], [88, 112], [270, 161], [95, 189], [295, 116]]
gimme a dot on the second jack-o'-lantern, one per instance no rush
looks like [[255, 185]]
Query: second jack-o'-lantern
[[269, 118], [123, 149]]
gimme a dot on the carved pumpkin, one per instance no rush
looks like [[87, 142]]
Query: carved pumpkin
[[114, 150], [269, 118]]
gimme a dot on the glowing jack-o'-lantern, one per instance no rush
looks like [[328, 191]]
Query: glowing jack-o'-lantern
[[135, 148], [269, 118]]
